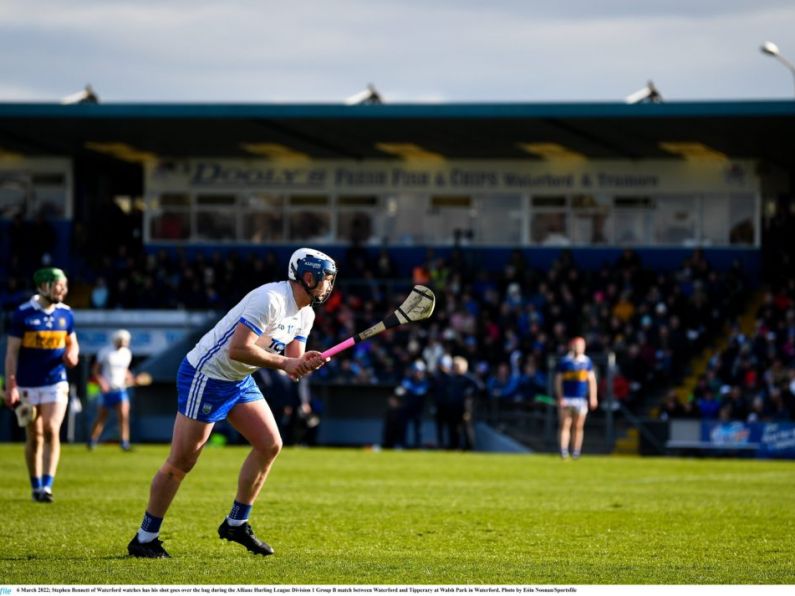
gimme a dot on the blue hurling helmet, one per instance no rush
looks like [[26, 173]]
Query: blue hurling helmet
[[318, 264]]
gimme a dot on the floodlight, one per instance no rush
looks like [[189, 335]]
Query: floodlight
[[648, 94], [87, 95], [369, 96], [771, 49]]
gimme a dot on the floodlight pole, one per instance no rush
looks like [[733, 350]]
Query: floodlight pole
[[771, 49]]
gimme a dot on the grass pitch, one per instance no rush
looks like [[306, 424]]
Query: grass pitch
[[363, 517]]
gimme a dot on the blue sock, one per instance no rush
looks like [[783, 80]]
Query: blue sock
[[150, 528], [46, 481], [35, 482], [239, 514], [125, 445]]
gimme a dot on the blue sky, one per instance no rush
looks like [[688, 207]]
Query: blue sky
[[411, 50]]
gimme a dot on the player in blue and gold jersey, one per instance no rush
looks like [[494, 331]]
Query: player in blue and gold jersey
[[575, 391], [41, 344]]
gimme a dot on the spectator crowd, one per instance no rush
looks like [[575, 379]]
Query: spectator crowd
[[509, 326], [753, 378]]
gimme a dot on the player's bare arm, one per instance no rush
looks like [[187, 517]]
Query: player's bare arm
[[12, 357], [243, 347], [103, 383], [592, 390], [70, 356], [559, 388], [297, 349]]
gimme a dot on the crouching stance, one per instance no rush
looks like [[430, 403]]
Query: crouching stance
[[268, 328]]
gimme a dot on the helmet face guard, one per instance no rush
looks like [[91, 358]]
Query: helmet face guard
[[305, 261]]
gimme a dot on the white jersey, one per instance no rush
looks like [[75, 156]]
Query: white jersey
[[269, 311], [113, 365]]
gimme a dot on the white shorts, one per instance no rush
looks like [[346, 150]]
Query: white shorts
[[47, 394], [575, 405]]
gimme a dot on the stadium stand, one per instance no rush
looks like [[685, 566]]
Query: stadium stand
[[658, 316], [505, 323]]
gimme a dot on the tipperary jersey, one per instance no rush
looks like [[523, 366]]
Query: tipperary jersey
[[574, 371], [269, 311], [43, 334]]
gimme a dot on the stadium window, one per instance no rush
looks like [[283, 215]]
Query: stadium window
[[170, 225], [259, 227], [549, 221], [543, 202], [263, 218], [309, 218], [591, 219], [14, 190], [174, 200], [714, 220], [632, 217], [169, 216], [499, 219], [356, 201], [309, 201], [49, 195], [264, 202], [675, 220], [742, 220], [215, 200], [32, 194], [450, 219], [400, 218], [216, 226], [356, 219], [216, 218], [450, 202]]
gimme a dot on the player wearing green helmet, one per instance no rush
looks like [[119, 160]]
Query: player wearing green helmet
[[41, 344], [51, 283]]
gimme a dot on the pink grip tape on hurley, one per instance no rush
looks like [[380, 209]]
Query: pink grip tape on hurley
[[339, 348]]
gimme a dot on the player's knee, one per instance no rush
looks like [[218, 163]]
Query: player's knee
[[270, 449], [275, 447], [50, 433], [177, 469]]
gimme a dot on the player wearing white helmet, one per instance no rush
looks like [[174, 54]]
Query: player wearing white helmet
[[112, 371], [268, 328]]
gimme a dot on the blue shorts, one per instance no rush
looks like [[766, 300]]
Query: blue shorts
[[210, 400], [114, 398]]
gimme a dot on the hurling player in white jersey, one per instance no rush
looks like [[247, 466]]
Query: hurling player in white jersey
[[112, 371], [268, 328]]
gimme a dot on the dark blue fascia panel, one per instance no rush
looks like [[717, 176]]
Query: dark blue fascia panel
[[387, 111]]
